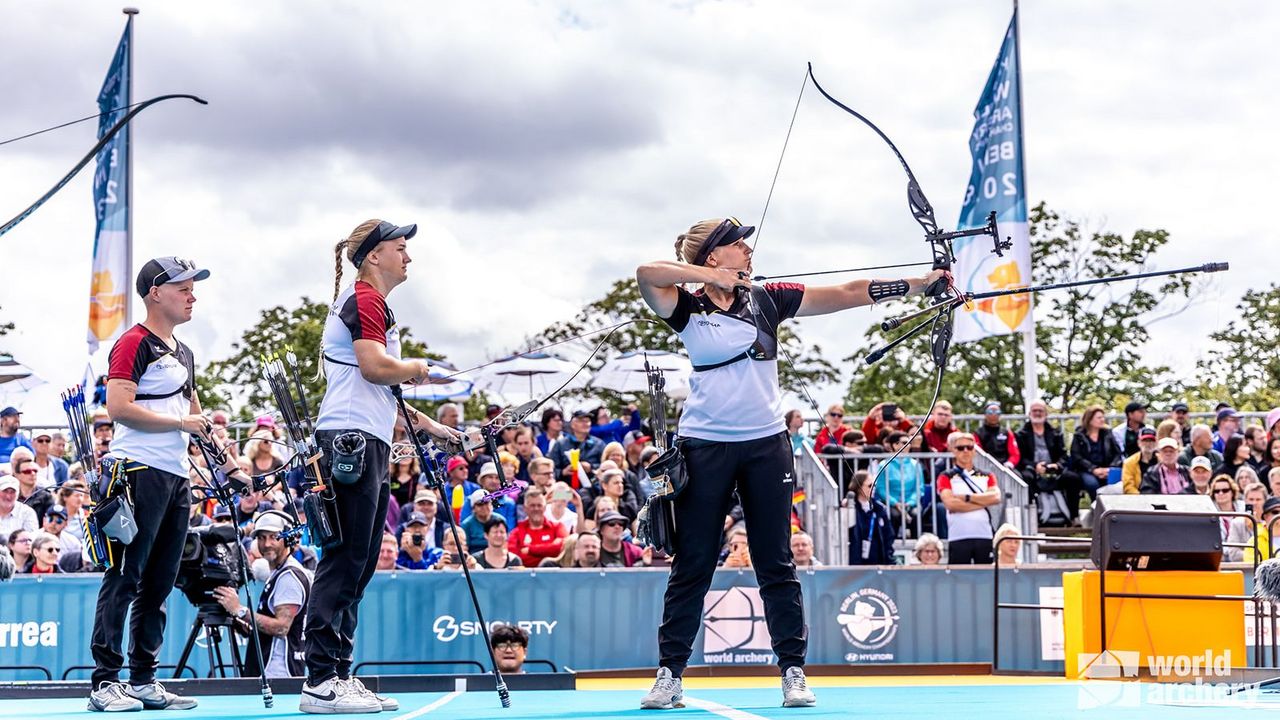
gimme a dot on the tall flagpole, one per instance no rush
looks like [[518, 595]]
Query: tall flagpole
[[128, 188], [1030, 382]]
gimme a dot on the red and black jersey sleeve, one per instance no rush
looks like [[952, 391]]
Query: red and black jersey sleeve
[[366, 315], [684, 308], [131, 355], [787, 298]]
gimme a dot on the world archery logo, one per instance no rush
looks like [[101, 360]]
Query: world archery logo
[[869, 621], [734, 628]]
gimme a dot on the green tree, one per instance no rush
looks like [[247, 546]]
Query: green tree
[[1245, 367], [623, 302], [1088, 339], [236, 381]]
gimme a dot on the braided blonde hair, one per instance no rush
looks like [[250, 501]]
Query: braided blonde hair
[[348, 247], [689, 243]]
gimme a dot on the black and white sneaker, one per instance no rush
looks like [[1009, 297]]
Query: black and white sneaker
[[795, 689], [388, 703], [336, 696], [154, 697], [667, 692], [111, 697]]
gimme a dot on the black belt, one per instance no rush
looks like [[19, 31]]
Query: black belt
[[339, 362]]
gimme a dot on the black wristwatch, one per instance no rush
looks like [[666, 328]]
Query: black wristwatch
[[968, 498]]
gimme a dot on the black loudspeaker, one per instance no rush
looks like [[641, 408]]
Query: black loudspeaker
[[1153, 542]]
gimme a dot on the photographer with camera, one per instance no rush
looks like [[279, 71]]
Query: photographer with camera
[[282, 607], [151, 394], [414, 554], [1042, 462]]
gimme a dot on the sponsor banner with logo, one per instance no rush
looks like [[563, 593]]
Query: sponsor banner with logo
[[591, 620]]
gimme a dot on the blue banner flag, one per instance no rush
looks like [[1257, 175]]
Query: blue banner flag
[[997, 183], [108, 295]]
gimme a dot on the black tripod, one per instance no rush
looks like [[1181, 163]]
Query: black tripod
[[211, 622]]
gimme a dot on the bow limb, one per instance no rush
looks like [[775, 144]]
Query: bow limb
[[115, 129]]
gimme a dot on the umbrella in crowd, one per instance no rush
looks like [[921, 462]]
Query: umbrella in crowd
[[625, 373], [12, 371], [527, 377], [444, 383]]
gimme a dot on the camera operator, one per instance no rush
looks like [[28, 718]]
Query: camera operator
[[151, 394], [282, 607], [414, 554]]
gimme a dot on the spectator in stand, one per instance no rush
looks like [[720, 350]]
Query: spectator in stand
[[534, 538], [58, 447], [10, 437], [1246, 476], [45, 553], [614, 550], [495, 555], [552, 430], [833, 429], [966, 493], [1126, 433], [607, 429], [1228, 426], [1137, 464], [613, 484], [52, 470], [1094, 451], [852, 459], [1255, 499], [802, 551], [1007, 551], [739, 555], [1273, 482], [104, 431], [1180, 415], [615, 453], [473, 526], [635, 449], [261, 450], [1201, 474], [414, 553], [504, 505], [457, 487], [404, 479], [928, 550], [566, 556], [1167, 477], [938, 427], [995, 440], [13, 514], [24, 468], [1042, 451], [1235, 456], [451, 556], [1273, 423], [387, 553], [872, 534], [1256, 438], [589, 449], [525, 451], [426, 505], [558, 508], [1201, 446], [1271, 457], [1266, 551], [20, 548], [510, 643], [901, 481], [795, 431], [55, 524], [1224, 493], [1169, 428], [72, 495], [542, 473], [876, 422]]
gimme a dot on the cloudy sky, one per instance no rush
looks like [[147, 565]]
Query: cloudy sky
[[545, 149]]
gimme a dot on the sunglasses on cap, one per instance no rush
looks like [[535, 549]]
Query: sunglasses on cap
[[183, 266], [728, 232]]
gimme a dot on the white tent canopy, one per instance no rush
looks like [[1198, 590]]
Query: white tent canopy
[[528, 377], [625, 373]]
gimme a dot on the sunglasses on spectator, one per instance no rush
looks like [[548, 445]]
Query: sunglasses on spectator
[[1222, 491], [835, 414], [56, 520], [615, 523], [43, 440], [52, 549], [964, 448], [29, 471]]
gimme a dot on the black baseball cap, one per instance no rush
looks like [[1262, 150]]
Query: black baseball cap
[[1134, 406], [383, 232], [56, 511], [581, 413], [1180, 406], [169, 269], [729, 231], [10, 411], [1272, 503]]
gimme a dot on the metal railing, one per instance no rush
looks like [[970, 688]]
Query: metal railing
[[826, 481], [997, 606]]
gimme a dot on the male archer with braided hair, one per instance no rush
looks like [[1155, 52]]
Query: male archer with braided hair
[[360, 352], [732, 435]]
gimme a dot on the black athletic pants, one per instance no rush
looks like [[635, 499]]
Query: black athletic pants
[[344, 571], [764, 473], [976, 551], [141, 578]]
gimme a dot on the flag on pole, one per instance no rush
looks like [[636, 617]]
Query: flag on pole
[[997, 183], [109, 288]]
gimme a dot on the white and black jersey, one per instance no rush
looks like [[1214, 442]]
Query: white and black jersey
[[351, 402], [740, 400], [165, 378]]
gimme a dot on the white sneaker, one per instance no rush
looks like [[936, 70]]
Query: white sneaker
[[388, 703], [111, 697], [795, 689], [155, 697], [335, 697], [667, 692]]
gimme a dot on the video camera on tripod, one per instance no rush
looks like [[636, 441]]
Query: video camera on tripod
[[211, 558]]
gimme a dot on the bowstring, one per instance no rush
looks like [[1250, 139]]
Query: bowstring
[[778, 170]]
